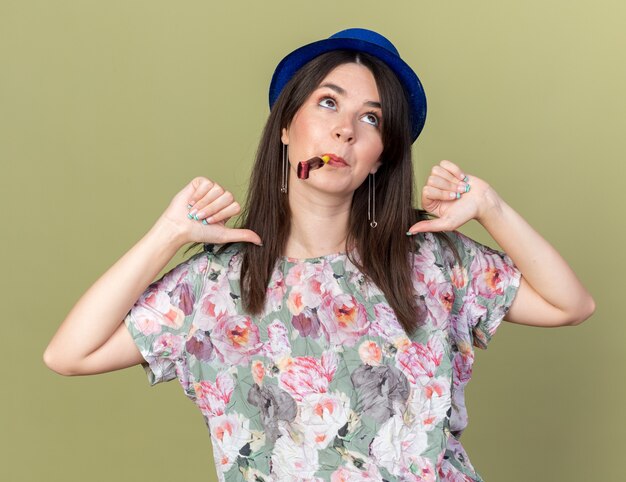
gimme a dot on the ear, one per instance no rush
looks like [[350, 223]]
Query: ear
[[285, 136], [375, 167]]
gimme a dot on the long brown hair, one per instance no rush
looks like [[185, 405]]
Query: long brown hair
[[383, 252]]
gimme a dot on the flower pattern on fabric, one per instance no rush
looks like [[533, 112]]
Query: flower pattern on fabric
[[326, 385]]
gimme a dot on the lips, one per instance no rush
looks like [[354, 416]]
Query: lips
[[336, 160]]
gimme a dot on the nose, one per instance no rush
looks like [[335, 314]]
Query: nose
[[344, 130]]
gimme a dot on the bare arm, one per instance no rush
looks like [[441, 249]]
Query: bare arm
[[93, 338], [550, 294], [100, 311]]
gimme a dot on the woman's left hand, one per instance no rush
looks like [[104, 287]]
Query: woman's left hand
[[439, 197]]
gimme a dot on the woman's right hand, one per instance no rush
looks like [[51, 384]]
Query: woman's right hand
[[208, 201]]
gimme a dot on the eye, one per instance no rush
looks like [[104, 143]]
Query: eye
[[372, 118], [328, 102]]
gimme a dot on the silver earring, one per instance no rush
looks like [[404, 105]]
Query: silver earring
[[285, 169], [371, 200]]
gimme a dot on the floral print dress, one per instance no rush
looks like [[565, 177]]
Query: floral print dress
[[326, 385]]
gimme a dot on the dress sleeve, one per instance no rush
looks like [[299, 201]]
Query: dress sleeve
[[486, 282], [161, 318]]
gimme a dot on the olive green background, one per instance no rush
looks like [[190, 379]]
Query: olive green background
[[107, 109]]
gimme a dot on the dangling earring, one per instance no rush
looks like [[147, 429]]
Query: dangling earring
[[285, 169], [371, 200]]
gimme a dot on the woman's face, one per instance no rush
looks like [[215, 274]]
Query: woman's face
[[342, 118]]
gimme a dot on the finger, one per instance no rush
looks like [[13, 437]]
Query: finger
[[437, 170], [201, 186], [218, 202], [214, 193], [431, 225], [446, 185], [245, 235], [224, 214], [453, 168], [432, 192]]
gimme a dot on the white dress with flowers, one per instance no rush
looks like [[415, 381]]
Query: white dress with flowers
[[326, 385]]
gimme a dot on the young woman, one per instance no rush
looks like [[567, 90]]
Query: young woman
[[331, 336]]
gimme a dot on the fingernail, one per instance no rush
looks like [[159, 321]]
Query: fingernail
[[189, 216], [467, 188], [196, 217], [409, 233], [259, 244], [204, 221], [465, 178], [457, 195], [189, 206]]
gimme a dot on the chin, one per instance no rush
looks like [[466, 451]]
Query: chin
[[333, 185]]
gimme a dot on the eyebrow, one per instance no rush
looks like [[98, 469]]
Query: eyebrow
[[342, 91]]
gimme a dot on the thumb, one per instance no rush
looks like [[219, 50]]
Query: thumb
[[245, 235], [429, 226]]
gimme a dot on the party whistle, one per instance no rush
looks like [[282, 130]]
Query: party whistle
[[314, 163]]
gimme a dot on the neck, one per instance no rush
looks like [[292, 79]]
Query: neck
[[319, 224]]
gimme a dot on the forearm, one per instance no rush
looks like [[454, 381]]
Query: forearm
[[541, 265], [99, 312]]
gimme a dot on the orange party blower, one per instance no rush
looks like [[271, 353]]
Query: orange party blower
[[314, 163]]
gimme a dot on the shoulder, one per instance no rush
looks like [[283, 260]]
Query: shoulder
[[444, 247], [212, 257], [224, 257], [454, 247]]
